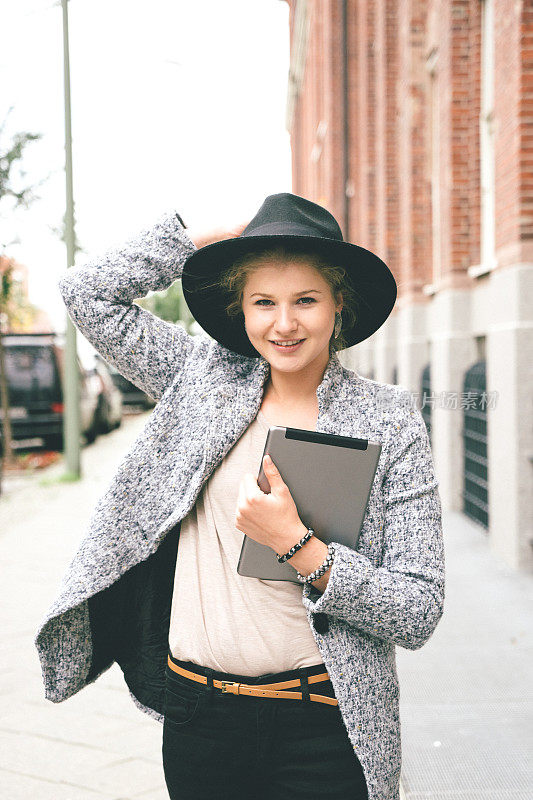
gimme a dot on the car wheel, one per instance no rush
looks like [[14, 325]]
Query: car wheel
[[101, 417], [91, 433], [54, 443]]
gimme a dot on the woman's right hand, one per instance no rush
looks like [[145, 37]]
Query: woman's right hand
[[203, 238]]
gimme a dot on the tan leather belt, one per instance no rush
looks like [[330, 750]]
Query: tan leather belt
[[261, 690]]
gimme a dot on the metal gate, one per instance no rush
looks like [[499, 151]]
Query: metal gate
[[425, 394], [475, 472]]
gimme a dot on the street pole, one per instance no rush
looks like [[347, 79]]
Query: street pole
[[71, 387]]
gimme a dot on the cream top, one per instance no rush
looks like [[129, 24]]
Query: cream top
[[220, 619]]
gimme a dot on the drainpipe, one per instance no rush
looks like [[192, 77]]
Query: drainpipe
[[298, 57], [346, 131]]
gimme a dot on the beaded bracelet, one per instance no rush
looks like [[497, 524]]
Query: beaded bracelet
[[305, 538], [326, 564]]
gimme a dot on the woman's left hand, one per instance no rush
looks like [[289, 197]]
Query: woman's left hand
[[271, 519]]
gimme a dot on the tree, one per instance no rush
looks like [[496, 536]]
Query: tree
[[13, 191], [169, 305]]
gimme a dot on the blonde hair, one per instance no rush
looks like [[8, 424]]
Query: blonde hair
[[233, 280]]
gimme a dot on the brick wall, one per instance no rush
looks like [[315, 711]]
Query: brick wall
[[513, 23], [389, 112]]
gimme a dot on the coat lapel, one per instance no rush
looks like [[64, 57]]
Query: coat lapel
[[237, 398], [234, 403]]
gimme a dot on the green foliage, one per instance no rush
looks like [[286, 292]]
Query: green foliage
[[169, 305], [10, 154], [65, 477], [6, 284]]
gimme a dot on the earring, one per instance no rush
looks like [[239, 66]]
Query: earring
[[338, 323]]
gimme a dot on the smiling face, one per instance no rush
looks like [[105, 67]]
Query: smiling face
[[283, 302]]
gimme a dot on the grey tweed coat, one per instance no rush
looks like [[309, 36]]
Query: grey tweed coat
[[113, 603]]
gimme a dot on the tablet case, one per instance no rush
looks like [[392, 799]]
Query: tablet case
[[330, 478]]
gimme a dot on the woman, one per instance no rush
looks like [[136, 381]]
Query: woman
[[324, 720]]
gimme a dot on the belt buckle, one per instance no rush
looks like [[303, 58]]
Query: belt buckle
[[229, 683]]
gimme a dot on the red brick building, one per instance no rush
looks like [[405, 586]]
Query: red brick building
[[411, 120]]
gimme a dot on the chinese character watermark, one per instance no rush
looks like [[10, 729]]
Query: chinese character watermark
[[480, 401]]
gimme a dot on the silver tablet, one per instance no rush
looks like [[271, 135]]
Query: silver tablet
[[330, 478]]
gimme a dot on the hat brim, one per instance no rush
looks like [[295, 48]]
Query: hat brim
[[370, 278]]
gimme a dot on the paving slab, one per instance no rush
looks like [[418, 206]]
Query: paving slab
[[24, 787], [466, 696], [96, 744]]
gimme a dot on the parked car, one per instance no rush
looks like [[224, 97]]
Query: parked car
[[131, 395], [110, 402], [34, 370]]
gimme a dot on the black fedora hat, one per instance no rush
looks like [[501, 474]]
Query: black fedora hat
[[287, 218]]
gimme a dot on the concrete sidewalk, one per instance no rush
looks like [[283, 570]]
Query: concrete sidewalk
[[466, 697], [97, 744]]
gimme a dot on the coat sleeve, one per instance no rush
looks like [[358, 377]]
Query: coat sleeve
[[401, 600], [99, 298]]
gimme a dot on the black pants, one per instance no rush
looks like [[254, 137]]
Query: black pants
[[218, 745]]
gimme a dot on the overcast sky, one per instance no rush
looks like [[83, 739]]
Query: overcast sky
[[175, 104]]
